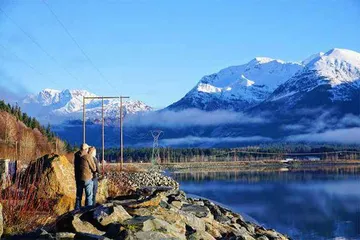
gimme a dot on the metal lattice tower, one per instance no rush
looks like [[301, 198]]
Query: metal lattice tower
[[156, 151]]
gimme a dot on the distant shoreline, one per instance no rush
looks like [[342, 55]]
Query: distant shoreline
[[264, 165]]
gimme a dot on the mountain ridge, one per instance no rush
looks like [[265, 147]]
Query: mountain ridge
[[50, 104], [238, 87]]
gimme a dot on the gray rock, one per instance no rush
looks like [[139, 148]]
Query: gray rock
[[272, 235], [193, 221], [150, 224], [246, 237], [88, 236], [153, 236], [137, 223], [201, 235], [108, 213], [72, 222], [85, 227], [177, 204], [197, 210], [216, 211], [64, 235], [250, 228]]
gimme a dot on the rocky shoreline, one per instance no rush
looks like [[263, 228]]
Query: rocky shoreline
[[136, 180], [154, 213], [153, 208], [260, 165]]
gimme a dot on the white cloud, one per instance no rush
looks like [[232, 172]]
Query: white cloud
[[293, 127], [191, 117], [190, 140], [346, 136]]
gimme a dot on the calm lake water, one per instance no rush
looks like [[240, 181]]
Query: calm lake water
[[304, 204]]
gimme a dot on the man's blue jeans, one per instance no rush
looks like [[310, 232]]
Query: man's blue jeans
[[80, 185], [95, 188]]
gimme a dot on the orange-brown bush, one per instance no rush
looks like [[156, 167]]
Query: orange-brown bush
[[19, 142]]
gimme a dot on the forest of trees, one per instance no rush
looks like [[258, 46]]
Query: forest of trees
[[23, 138], [270, 151]]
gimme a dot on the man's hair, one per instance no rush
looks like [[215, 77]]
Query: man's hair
[[84, 146], [92, 150]]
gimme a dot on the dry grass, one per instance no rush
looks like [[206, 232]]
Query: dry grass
[[127, 167], [118, 184]]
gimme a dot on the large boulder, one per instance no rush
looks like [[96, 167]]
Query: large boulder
[[110, 213], [54, 176]]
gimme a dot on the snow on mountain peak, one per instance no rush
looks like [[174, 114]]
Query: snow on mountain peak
[[336, 73], [261, 71], [69, 103], [239, 87], [49, 90], [263, 60], [207, 88], [337, 66]]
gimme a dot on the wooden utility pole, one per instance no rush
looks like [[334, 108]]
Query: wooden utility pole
[[102, 133], [103, 124], [121, 133], [84, 139]]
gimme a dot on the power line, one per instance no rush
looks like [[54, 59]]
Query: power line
[[39, 46], [78, 45], [22, 60], [145, 136], [25, 62]]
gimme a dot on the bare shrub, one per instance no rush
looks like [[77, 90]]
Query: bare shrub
[[27, 146], [8, 128], [22, 209]]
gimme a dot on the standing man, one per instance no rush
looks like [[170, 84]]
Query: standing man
[[92, 153], [84, 167]]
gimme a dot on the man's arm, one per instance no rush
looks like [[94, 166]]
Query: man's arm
[[97, 164]]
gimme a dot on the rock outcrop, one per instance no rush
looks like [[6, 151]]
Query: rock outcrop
[[157, 213], [54, 177], [124, 183]]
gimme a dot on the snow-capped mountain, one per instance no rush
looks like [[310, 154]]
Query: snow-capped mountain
[[51, 104], [238, 87], [317, 99], [328, 80]]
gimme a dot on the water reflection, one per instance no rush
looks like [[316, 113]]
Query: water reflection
[[305, 204]]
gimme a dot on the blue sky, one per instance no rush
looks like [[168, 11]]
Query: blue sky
[[156, 51]]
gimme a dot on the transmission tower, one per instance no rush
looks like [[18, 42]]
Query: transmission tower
[[156, 151]]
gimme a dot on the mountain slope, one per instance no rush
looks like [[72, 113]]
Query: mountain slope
[[50, 104], [331, 80], [23, 138], [238, 87]]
